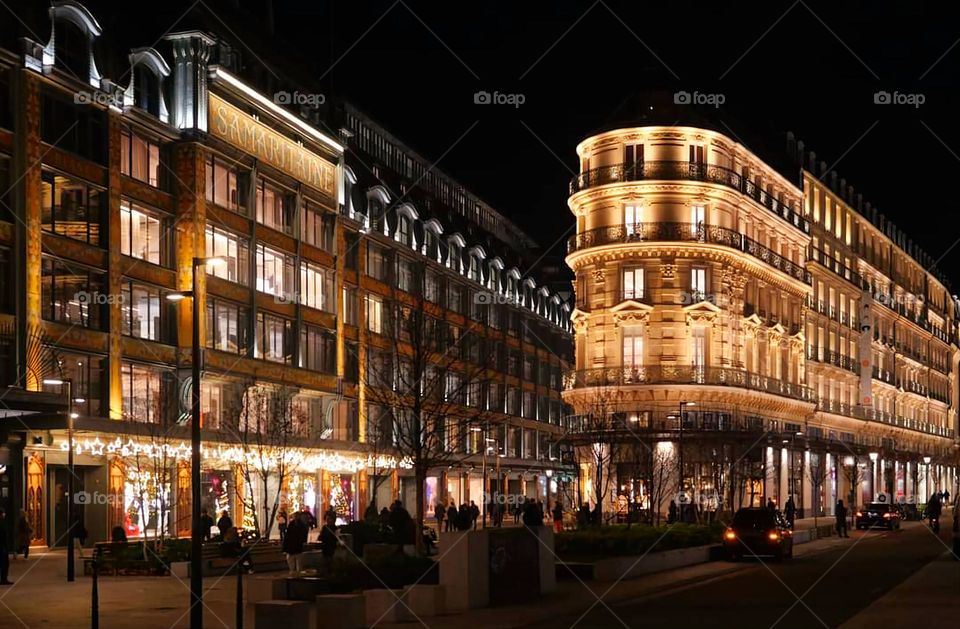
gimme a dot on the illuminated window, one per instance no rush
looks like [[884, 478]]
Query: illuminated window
[[698, 283], [141, 232], [633, 283], [139, 158], [697, 215], [632, 346], [632, 218], [231, 248]]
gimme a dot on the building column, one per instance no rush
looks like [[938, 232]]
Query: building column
[[809, 506]]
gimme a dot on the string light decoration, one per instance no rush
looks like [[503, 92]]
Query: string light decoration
[[304, 460]]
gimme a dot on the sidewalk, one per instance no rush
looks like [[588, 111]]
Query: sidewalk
[[575, 596], [935, 589]]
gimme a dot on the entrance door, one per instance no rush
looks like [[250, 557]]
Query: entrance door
[[58, 481]]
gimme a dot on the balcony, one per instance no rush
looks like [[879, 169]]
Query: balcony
[[690, 171], [884, 417], [711, 376], [836, 359], [686, 232]]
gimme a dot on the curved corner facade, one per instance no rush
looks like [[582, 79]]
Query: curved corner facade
[[720, 340]]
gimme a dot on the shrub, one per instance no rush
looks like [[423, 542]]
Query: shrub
[[614, 541]]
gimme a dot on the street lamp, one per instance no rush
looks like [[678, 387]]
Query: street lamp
[[57, 382], [873, 474], [926, 484], [196, 536], [679, 417]]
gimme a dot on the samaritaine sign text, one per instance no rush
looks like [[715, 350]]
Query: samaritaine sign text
[[239, 129]]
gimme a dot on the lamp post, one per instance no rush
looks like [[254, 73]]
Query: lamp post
[[926, 482], [196, 536], [873, 475], [71, 571]]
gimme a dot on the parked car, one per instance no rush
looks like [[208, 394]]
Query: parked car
[[878, 515], [758, 532]]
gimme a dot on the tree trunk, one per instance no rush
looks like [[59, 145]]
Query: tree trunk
[[420, 475]]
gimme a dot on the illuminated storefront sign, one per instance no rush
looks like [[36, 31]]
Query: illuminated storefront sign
[[239, 129]]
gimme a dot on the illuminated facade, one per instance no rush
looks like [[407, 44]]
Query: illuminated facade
[[111, 187], [718, 326]]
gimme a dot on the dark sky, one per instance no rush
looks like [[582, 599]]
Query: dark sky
[[809, 67]]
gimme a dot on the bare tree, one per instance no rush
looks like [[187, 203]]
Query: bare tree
[[602, 432], [816, 474], [433, 380], [854, 473], [153, 464], [270, 421], [663, 482]]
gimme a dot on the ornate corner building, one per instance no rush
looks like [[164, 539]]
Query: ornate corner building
[[742, 334], [112, 187]]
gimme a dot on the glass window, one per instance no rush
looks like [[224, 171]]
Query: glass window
[[316, 287], [274, 338], [349, 305], [224, 186], [142, 393], [274, 207], [405, 274], [632, 219], [274, 272], [139, 158], [632, 346], [698, 283], [70, 208], [143, 308], [73, 293], [633, 283], [141, 233], [318, 349], [317, 227], [374, 313], [697, 214], [455, 297], [376, 262], [431, 288], [88, 376], [234, 249], [227, 326]]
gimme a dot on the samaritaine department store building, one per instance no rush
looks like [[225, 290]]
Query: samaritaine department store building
[[111, 187], [745, 334]]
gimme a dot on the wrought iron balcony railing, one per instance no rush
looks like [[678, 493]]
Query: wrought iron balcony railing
[[686, 232], [659, 374], [692, 171]]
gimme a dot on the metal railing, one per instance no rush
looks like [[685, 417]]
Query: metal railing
[[692, 171], [686, 232], [659, 374]]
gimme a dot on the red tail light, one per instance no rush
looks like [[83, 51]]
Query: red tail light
[[774, 536], [888, 515], [859, 514], [729, 535]]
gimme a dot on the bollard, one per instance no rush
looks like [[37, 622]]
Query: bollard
[[94, 593], [244, 567]]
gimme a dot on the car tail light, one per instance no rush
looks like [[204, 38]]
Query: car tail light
[[729, 534], [774, 536], [859, 514], [888, 515]]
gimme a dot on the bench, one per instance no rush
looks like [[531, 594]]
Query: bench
[[116, 558]]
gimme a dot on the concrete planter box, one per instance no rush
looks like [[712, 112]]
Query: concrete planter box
[[180, 569], [425, 600], [385, 606], [464, 569], [341, 611], [265, 588], [635, 566], [273, 614], [312, 560], [307, 588], [376, 552]]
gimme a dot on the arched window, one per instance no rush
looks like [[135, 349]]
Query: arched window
[[377, 201], [73, 29], [513, 286], [406, 216], [494, 270], [431, 240], [475, 270], [455, 245], [148, 71]]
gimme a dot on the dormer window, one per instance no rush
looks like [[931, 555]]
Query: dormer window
[[455, 253], [147, 73], [406, 216], [71, 42], [475, 270]]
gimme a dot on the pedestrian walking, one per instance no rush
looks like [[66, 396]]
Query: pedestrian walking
[[934, 509], [24, 535], [771, 506], [451, 516], [474, 514], [672, 512], [841, 515], [282, 523], [517, 511], [225, 523], [293, 542], [790, 510], [4, 550], [438, 512], [328, 537], [206, 524], [532, 516], [558, 516], [583, 516]]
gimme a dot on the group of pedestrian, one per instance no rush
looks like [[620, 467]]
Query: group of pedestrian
[[453, 519], [589, 517]]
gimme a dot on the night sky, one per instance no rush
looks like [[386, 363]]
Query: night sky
[[808, 67], [811, 68]]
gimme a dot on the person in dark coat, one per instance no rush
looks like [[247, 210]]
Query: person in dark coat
[[770, 505], [451, 523], [293, 542], [206, 523], [118, 535], [558, 516], [532, 515], [225, 523], [384, 519], [282, 523], [402, 524], [474, 514], [24, 535], [934, 509], [438, 513], [672, 512], [4, 551], [790, 510], [840, 513], [328, 537], [463, 518], [583, 516]]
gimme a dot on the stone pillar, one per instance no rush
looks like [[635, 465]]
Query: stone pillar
[[191, 53]]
